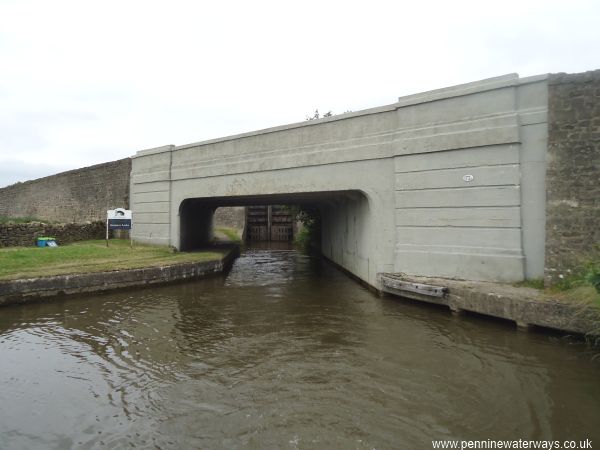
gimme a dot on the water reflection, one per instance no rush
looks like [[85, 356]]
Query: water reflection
[[284, 352]]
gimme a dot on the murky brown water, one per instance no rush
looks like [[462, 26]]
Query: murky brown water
[[285, 352]]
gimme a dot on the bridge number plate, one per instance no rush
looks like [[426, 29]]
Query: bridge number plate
[[468, 177]]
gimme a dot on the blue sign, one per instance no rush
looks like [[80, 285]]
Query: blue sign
[[119, 224]]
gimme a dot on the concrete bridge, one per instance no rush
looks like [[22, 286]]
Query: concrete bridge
[[447, 183]]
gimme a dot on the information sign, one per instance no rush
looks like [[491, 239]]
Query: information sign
[[118, 219]]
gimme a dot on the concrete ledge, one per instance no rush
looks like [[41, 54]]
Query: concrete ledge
[[524, 306], [35, 289]]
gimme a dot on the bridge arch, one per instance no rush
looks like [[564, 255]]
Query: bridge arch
[[346, 221]]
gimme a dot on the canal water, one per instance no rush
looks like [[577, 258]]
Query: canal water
[[285, 352]]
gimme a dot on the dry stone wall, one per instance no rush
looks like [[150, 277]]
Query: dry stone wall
[[26, 234], [75, 196], [573, 172]]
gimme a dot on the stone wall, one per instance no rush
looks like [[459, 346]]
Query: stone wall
[[230, 217], [26, 234], [573, 172], [79, 195]]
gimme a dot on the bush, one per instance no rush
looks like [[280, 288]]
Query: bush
[[309, 235], [592, 276], [302, 239]]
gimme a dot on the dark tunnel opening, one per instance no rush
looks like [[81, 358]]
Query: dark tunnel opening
[[266, 217]]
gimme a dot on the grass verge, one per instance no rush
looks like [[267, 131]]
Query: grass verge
[[535, 283], [581, 290], [231, 234], [90, 256], [583, 286]]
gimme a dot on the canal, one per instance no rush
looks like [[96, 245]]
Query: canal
[[284, 352]]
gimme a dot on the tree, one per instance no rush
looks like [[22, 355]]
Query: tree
[[316, 115], [329, 113]]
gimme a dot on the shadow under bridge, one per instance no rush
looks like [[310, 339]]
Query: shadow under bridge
[[339, 213]]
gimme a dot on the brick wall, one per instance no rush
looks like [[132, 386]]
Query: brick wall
[[75, 196], [573, 172], [26, 234]]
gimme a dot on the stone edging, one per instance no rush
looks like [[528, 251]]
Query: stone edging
[[34, 289], [524, 306]]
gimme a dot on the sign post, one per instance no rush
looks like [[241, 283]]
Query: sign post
[[119, 219]]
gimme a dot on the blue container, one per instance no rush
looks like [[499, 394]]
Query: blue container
[[45, 242]]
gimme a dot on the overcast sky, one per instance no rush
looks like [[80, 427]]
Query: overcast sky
[[84, 82]]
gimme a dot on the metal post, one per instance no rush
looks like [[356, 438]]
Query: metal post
[[107, 232]]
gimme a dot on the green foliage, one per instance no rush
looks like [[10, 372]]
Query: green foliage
[[309, 235], [535, 283], [302, 239], [583, 286], [7, 220], [581, 290], [592, 276], [231, 234], [588, 274]]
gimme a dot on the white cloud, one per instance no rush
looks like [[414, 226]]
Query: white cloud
[[83, 83]]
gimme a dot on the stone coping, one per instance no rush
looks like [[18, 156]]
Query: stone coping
[[522, 305], [28, 290]]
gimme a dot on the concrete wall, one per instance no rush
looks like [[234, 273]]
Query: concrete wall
[[492, 133], [162, 217], [76, 196], [347, 224], [398, 202], [573, 181]]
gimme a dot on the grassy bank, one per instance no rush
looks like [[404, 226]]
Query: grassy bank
[[576, 290], [583, 285], [89, 256], [230, 234], [580, 289]]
